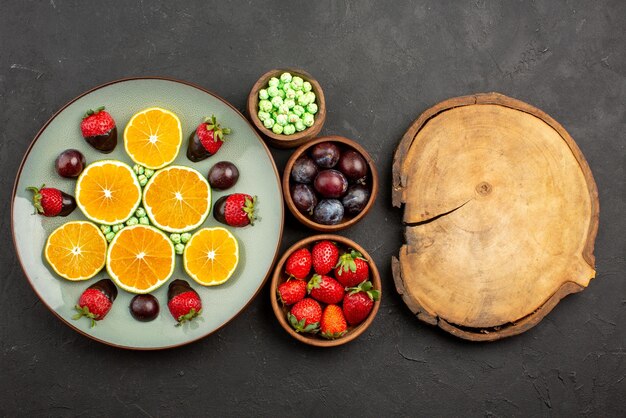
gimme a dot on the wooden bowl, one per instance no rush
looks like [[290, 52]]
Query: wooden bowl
[[347, 221], [298, 138], [281, 311]]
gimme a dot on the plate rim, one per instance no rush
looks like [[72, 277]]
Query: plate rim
[[54, 116]]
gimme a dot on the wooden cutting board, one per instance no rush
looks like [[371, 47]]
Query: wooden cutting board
[[500, 213]]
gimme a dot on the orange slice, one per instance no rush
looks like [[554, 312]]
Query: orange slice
[[140, 259], [107, 192], [177, 199], [153, 137], [76, 250], [211, 256]]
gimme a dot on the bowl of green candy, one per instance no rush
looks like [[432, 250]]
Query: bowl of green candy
[[287, 106]]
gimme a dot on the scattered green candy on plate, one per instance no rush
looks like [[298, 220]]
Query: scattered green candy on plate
[[105, 229], [144, 220], [132, 221], [110, 236], [179, 248], [175, 238]]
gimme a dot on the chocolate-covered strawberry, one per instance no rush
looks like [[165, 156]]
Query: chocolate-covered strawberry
[[358, 302], [352, 269], [96, 301], [325, 289], [206, 140], [99, 130], [237, 209], [183, 302], [49, 201]]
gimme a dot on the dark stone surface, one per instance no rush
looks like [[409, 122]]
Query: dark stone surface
[[381, 64]]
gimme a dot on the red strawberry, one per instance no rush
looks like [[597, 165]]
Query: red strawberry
[[325, 255], [352, 269], [333, 324], [291, 291], [305, 316], [206, 140], [183, 302], [98, 128], [298, 264], [96, 301], [235, 209], [325, 289], [49, 201], [358, 302]]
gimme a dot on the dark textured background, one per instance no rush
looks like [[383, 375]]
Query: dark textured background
[[381, 64]]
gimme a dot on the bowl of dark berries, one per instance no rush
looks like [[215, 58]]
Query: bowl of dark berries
[[287, 106], [325, 290], [330, 183]]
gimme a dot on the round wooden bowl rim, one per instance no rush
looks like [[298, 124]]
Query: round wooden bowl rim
[[287, 192], [277, 277], [310, 132]]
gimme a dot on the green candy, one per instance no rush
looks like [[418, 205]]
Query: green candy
[[277, 129], [273, 82], [265, 106], [272, 91], [115, 229], [263, 116], [296, 83], [143, 180], [290, 94], [132, 221], [144, 220], [277, 101], [110, 236], [148, 173], [289, 129], [175, 238], [286, 77], [308, 120], [290, 103], [299, 93], [300, 126], [286, 86], [293, 118], [311, 108], [269, 123], [306, 86], [310, 97], [281, 120], [184, 238], [263, 95], [298, 110], [179, 248], [303, 100], [120, 225], [282, 94], [283, 109], [140, 212], [136, 168], [105, 229]]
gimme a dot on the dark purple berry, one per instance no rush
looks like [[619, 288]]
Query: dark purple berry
[[304, 170], [328, 212], [331, 183], [304, 198], [223, 175], [70, 163], [325, 154], [352, 165], [356, 199], [144, 308]]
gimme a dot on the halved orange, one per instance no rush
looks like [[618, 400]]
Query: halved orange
[[76, 250], [140, 259], [108, 192], [211, 256], [177, 199], [153, 137]]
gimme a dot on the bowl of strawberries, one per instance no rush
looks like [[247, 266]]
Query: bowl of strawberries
[[325, 290]]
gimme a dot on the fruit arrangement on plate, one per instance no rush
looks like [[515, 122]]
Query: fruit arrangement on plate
[[141, 217], [325, 290]]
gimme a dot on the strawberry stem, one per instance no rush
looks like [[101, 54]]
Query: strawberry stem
[[37, 198], [218, 131]]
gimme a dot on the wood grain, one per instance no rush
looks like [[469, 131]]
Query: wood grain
[[501, 214]]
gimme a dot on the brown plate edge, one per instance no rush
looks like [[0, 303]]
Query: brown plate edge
[[28, 150]]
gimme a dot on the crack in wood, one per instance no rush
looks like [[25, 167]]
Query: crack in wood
[[434, 218]]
